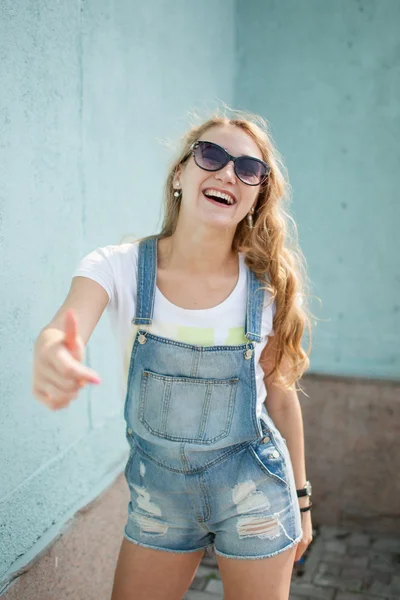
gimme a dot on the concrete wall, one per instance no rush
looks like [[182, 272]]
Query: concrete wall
[[327, 77], [89, 92]]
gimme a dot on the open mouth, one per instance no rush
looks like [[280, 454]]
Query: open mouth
[[219, 197]]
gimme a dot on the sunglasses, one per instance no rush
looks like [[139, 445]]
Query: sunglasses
[[212, 157]]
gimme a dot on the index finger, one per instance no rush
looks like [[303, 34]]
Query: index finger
[[75, 369]]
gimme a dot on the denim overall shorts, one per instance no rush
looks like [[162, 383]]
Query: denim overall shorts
[[203, 469]]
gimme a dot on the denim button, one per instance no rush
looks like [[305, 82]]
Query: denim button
[[275, 454], [265, 440], [129, 430]]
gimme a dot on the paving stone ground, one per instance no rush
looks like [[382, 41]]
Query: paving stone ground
[[338, 565]]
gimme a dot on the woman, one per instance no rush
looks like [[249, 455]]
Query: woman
[[209, 312]]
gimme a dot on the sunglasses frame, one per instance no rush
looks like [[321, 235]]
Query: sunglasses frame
[[229, 158]]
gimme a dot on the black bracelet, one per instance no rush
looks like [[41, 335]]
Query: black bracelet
[[305, 508]]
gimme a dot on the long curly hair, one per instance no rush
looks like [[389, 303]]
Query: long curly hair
[[271, 247]]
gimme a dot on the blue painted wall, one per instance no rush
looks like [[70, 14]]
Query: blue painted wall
[[327, 77], [91, 94]]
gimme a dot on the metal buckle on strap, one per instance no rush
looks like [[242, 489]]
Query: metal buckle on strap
[[133, 321], [248, 353], [256, 335], [142, 338], [142, 332]]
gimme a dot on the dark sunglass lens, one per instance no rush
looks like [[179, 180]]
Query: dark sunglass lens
[[210, 157], [250, 171]]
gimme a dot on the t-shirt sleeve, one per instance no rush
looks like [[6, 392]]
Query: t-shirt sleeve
[[98, 265], [269, 311]]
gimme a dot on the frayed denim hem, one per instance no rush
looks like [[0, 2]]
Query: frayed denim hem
[[165, 549], [295, 541]]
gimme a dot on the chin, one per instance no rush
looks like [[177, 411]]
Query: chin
[[223, 225], [221, 222]]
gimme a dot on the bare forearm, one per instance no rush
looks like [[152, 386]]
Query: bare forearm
[[289, 421]]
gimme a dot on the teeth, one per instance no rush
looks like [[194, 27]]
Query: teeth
[[219, 194]]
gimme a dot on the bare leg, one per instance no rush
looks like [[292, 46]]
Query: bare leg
[[144, 574], [260, 578]]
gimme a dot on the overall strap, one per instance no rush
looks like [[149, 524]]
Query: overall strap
[[254, 310], [146, 281]]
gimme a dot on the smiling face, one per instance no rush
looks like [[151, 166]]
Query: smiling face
[[197, 184]]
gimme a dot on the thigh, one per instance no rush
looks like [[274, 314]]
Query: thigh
[[143, 573], [262, 578]]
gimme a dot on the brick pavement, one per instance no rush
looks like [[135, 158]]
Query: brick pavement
[[338, 565]]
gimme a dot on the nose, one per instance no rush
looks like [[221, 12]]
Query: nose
[[227, 174]]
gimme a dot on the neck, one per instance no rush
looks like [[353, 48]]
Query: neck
[[201, 252]]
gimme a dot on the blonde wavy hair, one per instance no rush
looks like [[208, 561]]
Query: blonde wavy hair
[[271, 248]]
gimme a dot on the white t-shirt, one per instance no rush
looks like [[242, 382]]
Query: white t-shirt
[[115, 269]]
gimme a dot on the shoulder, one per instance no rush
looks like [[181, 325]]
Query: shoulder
[[269, 304], [113, 266], [127, 250], [113, 254]]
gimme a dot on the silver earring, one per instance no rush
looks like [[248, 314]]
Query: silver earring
[[177, 192], [250, 218]]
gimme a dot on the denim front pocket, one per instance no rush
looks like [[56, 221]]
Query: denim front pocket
[[268, 455], [187, 409]]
